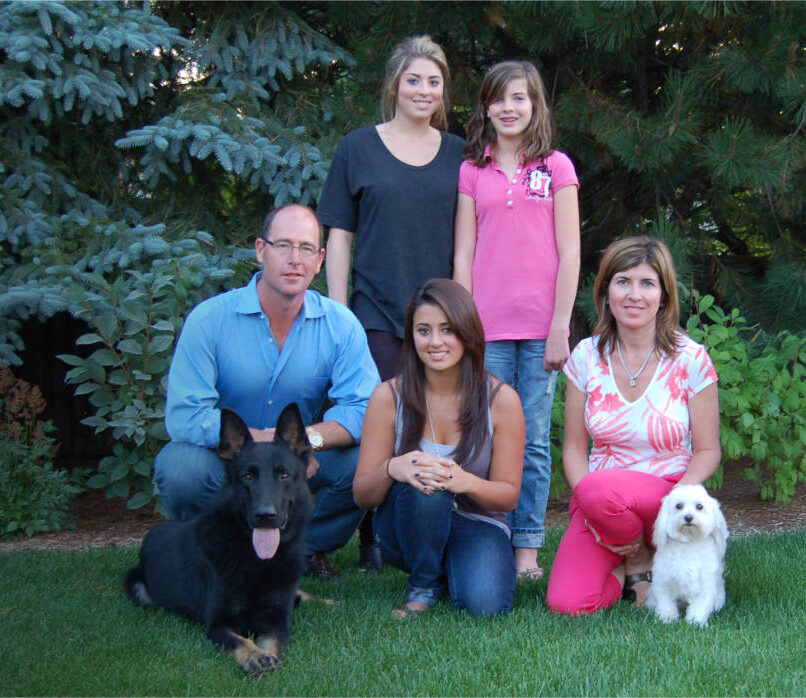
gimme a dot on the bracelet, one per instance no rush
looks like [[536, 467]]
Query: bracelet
[[388, 460]]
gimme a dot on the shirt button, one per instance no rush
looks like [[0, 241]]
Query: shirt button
[[518, 171], [509, 191], [271, 402], [509, 203]]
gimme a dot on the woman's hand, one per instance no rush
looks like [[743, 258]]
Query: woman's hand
[[425, 472], [626, 550]]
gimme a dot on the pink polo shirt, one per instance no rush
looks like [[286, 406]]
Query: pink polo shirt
[[514, 269]]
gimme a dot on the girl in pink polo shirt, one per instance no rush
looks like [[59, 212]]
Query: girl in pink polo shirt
[[517, 251]]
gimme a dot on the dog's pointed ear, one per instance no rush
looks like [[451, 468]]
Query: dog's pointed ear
[[290, 430], [720, 532], [660, 531], [233, 435]]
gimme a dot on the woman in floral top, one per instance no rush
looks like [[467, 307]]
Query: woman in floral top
[[646, 395]]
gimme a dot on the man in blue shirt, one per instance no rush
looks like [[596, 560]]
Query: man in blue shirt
[[255, 349]]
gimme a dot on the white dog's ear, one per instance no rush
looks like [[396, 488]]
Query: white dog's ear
[[660, 532], [720, 532]]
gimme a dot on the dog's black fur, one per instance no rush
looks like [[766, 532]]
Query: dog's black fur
[[208, 568]]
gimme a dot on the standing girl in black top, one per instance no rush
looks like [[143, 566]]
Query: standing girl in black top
[[394, 187]]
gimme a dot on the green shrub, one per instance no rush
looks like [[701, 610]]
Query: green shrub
[[134, 321], [558, 483], [762, 390], [34, 496]]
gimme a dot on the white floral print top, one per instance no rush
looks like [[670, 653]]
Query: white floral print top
[[651, 434]]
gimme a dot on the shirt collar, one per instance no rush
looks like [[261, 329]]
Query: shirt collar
[[249, 302], [488, 155], [313, 304]]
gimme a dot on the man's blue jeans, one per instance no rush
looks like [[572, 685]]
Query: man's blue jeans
[[423, 535], [520, 364], [188, 476]]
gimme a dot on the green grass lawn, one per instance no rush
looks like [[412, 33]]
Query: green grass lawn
[[66, 628]]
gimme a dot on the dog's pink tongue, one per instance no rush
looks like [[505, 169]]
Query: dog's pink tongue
[[265, 541]]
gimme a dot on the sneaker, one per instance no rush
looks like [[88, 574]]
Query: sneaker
[[320, 567], [370, 558]]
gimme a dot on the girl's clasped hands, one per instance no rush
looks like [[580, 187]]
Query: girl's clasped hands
[[427, 473]]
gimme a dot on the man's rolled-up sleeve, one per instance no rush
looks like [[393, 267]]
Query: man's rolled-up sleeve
[[191, 414], [353, 379]]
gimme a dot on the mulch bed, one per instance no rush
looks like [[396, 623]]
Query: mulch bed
[[103, 523]]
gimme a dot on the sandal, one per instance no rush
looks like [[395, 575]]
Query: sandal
[[530, 573], [630, 593], [406, 611]]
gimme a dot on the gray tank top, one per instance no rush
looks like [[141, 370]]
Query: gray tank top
[[477, 463]]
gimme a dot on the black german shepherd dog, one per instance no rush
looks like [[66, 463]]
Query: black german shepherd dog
[[237, 565]]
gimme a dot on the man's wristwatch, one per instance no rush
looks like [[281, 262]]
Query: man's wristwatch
[[316, 439]]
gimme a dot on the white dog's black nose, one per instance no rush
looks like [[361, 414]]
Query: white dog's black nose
[[688, 518]]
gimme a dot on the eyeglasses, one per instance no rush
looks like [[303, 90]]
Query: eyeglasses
[[283, 247]]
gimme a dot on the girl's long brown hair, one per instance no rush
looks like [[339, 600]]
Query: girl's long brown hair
[[537, 136], [458, 306], [625, 254]]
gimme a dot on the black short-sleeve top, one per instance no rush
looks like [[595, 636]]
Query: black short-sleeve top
[[402, 217]]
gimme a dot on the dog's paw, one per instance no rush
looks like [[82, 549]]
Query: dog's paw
[[700, 610], [254, 660], [699, 619], [304, 597], [667, 617], [261, 662], [665, 611]]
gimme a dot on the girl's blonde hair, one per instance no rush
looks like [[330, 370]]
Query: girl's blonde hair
[[405, 52], [625, 254], [538, 134]]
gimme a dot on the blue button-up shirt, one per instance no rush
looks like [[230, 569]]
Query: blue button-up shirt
[[226, 356]]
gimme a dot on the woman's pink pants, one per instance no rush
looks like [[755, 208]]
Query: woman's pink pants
[[622, 506]]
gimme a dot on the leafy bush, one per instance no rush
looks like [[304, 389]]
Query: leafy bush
[[762, 390], [34, 496], [558, 483], [134, 322]]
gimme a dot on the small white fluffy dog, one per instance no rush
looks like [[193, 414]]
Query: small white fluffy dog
[[690, 537]]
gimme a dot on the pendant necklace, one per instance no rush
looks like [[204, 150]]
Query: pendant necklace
[[632, 377], [434, 438], [433, 433]]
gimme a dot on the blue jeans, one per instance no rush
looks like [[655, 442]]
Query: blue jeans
[[520, 364], [187, 477], [423, 535]]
